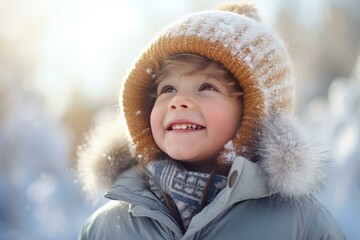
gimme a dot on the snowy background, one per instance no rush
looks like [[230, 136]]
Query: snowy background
[[61, 65]]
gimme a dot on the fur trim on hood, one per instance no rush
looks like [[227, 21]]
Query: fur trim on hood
[[293, 165], [104, 155]]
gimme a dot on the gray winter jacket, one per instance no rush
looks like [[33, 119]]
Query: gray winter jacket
[[272, 199]]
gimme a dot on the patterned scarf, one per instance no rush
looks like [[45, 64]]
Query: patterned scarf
[[185, 188]]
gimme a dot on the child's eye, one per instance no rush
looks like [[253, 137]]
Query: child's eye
[[208, 87], [167, 89]]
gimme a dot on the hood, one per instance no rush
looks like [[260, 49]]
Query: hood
[[293, 165]]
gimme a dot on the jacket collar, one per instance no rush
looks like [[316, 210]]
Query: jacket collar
[[131, 187], [246, 181]]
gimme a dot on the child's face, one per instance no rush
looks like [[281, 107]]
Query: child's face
[[194, 116]]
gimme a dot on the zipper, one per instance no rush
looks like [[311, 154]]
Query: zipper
[[173, 235]]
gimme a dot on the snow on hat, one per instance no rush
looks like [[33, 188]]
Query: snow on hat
[[233, 36]]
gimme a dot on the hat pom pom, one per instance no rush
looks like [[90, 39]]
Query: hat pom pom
[[246, 9]]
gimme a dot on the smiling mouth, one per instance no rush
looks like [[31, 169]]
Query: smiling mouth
[[185, 126]]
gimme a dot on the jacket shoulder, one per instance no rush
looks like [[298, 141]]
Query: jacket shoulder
[[323, 225], [110, 220], [316, 220], [274, 218], [117, 218]]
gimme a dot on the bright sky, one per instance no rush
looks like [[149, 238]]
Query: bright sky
[[79, 46]]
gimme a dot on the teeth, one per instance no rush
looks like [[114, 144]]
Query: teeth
[[184, 126]]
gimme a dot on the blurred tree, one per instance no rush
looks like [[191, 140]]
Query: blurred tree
[[339, 47], [321, 51]]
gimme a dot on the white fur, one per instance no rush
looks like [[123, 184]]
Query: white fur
[[291, 161], [105, 154]]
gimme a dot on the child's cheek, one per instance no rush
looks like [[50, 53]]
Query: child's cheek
[[156, 117]]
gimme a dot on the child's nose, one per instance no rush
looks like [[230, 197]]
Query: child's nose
[[181, 102], [173, 106]]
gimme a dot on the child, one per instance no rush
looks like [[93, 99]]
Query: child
[[216, 151]]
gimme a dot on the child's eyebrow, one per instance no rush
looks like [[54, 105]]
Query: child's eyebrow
[[220, 77]]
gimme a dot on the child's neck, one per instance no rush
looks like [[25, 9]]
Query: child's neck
[[203, 167]]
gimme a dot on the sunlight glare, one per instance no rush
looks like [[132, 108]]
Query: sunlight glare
[[78, 48]]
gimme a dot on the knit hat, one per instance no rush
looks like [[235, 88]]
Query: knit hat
[[233, 36]]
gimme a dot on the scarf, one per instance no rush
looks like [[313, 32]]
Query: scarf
[[185, 188]]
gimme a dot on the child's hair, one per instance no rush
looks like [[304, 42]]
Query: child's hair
[[200, 63]]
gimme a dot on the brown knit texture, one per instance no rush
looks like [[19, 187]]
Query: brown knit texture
[[254, 55]]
